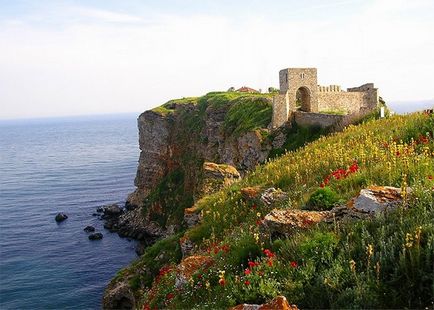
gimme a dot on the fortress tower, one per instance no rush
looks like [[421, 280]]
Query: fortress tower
[[300, 92]]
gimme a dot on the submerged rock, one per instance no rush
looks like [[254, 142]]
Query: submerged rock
[[95, 236], [60, 217], [278, 303], [89, 229]]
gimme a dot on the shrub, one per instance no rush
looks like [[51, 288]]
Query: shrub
[[323, 199]]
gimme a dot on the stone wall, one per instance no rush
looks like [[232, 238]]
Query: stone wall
[[347, 102], [280, 110], [317, 119]]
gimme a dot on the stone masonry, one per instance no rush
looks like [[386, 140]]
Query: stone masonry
[[299, 91]]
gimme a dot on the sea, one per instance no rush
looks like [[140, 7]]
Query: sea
[[71, 165]]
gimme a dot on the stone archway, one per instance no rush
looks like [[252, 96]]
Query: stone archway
[[303, 99]]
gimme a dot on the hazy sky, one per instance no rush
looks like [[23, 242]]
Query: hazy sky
[[90, 57]]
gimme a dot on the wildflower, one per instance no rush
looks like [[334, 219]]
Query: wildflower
[[430, 177], [252, 264], [247, 282], [256, 236], [247, 271], [258, 222], [294, 264], [408, 240], [207, 284], [353, 265], [254, 207], [170, 296], [258, 214], [270, 262], [222, 282], [268, 253], [369, 250]]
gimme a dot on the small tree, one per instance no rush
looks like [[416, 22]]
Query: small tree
[[272, 90]]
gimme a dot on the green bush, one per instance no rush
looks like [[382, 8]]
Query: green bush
[[323, 199]]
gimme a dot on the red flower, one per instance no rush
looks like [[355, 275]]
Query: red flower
[[170, 296], [268, 253], [270, 262], [222, 282], [294, 264], [247, 282], [398, 153], [430, 177], [322, 185], [252, 264], [247, 271], [146, 307], [258, 222], [254, 207]]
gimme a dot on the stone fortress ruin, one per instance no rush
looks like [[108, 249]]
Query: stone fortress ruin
[[301, 99]]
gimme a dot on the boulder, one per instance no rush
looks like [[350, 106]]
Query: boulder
[[278, 303], [112, 210], [251, 193], [187, 246], [192, 216], [378, 199], [286, 221], [95, 236], [190, 265], [89, 229], [60, 217], [215, 177], [272, 196]]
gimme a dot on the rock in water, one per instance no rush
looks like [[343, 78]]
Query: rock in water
[[112, 210], [60, 217], [95, 236], [89, 229]]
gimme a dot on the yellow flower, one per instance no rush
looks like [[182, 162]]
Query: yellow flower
[[353, 265]]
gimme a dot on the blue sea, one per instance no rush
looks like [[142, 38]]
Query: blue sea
[[70, 165]]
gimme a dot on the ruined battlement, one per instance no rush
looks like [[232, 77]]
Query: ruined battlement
[[299, 91], [330, 88]]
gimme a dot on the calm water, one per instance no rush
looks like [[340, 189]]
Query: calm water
[[70, 165]]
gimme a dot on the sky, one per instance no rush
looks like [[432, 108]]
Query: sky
[[66, 57]]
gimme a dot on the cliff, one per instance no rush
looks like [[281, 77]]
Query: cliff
[[177, 141]]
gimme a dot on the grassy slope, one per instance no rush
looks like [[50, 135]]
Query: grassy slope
[[386, 262]]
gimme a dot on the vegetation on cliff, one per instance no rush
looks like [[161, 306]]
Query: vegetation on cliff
[[383, 262]]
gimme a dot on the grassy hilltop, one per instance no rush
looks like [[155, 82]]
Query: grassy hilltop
[[384, 262]]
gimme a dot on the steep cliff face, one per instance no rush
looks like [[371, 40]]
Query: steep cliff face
[[176, 139]]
